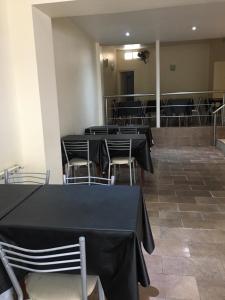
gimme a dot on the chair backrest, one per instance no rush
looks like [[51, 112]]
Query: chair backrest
[[26, 177], [131, 130], [76, 148], [89, 180], [118, 148], [100, 131], [52, 260]]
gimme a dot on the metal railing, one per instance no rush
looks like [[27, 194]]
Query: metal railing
[[196, 98], [11, 170], [219, 109]]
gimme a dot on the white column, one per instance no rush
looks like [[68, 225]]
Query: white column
[[157, 49]]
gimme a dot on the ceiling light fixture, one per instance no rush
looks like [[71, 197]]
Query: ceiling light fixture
[[127, 33], [132, 46], [194, 28]]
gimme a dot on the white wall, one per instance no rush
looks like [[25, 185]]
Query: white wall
[[77, 75], [26, 84], [109, 57], [192, 61], [28, 114], [10, 151], [219, 78], [144, 74], [48, 94], [192, 67]]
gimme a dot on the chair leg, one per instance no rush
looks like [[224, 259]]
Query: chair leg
[[109, 170], [67, 170], [101, 294], [130, 167], [93, 169], [114, 170], [134, 171], [89, 174]]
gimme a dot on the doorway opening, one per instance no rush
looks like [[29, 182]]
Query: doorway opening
[[127, 83]]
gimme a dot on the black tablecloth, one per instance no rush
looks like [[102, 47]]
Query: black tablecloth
[[113, 220], [98, 153], [11, 196], [114, 129]]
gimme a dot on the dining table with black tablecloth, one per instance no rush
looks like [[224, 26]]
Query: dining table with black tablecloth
[[11, 196], [98, 152], [115, 129], [113, 219]]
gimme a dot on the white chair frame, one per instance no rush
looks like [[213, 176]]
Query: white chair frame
[[26, 177], [14, 257], [121, 145], [74, 147], [85, 180]]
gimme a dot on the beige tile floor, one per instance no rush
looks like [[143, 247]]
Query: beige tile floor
[[185, 198]]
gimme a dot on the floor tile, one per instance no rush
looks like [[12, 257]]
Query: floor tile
[[200, 267], [211, 291], [185, 199], [171, 247], [198, 207], [171, 287]]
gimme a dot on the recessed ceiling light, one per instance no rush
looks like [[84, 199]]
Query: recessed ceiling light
[[194, 28], [127, 33]]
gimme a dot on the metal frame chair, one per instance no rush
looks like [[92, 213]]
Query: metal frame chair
[[26, 177], [66, 258], [85, 180], [99, 131], [131, 130], [120, 146], [196, 110], [76, 147]]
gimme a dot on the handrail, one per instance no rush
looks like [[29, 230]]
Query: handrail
[[218, 109], [130, 95], [11, 169], [215, 119], [192, 93], [166, 94]]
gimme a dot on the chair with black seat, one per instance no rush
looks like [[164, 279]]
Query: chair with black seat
[[167, 111], [77, 155], [128, 130], [47, 278], [89, 180], [26, 177], [99, 131], [119, 153]]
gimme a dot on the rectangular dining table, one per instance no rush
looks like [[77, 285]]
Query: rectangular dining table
[[98, 153], [113, 220], [11, 196]]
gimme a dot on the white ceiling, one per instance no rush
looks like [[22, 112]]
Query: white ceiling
[[106, 21], [65, 8], [166, 24]]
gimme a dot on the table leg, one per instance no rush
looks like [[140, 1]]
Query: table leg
[[142, 176]]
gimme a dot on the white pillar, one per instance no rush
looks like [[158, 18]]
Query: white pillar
[[157, 47]]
